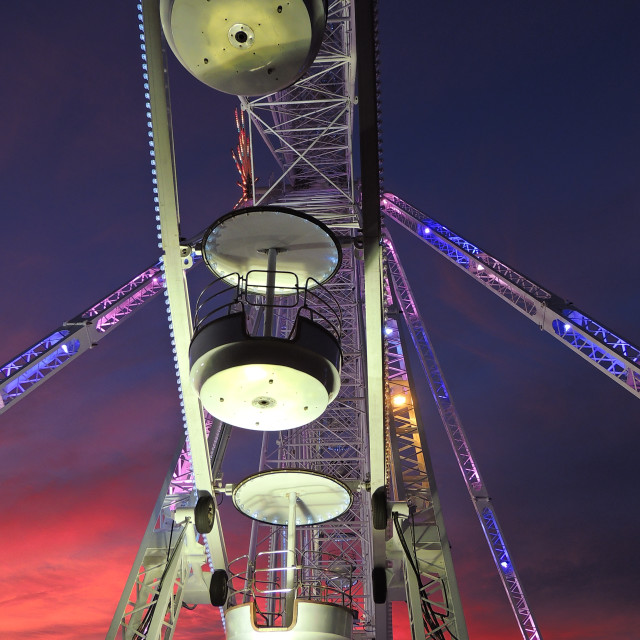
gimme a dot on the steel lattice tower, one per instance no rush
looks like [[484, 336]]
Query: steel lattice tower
[[308, 128]]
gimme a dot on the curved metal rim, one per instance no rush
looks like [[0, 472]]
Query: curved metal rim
[[286, 470], [274, 209]]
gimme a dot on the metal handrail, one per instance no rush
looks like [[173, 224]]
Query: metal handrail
[[198, 321], [312, 301], [320, 576], [335, 311]]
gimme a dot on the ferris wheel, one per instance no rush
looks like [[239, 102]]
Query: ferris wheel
[[303, 336]]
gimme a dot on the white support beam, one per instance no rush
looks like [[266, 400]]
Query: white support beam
[[172, 258], [175, 260]]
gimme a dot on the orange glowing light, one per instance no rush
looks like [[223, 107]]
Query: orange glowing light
[[398, 400]]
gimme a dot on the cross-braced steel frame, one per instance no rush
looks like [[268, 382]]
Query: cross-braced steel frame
[[367, 443], [608, 352], [406, 308], [308, 129]]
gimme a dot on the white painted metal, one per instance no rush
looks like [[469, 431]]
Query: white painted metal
[[290, 569], [308, 128], [28, 370], [177, 492], [262, 396], [173, 258], [272, 263], [429, 580], [429, 583], [240, 243], [266, 496], [335, 445], [311, 621], [251, 47]]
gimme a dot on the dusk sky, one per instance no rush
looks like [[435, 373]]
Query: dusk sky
[[516, 124]]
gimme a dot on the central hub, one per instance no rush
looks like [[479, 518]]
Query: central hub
[[241, 36], [264, 402]]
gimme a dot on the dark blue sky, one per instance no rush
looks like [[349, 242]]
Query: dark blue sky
[[515, 124]]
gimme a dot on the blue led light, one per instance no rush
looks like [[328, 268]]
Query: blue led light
[[46, 365], [388, 331]]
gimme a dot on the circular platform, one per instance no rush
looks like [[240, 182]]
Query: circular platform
[[245, 47], [239, 243], [265, 496], [264, 397], [265, 384]]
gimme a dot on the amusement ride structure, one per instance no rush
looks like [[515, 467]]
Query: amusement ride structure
[[302, 335]]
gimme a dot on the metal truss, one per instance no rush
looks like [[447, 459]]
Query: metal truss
[[312, 122], [126, 299], [168, 569], [159, 589], [468, 466], [336, 444], [608, 352], [307, 127], [26, 371], [419, 549]]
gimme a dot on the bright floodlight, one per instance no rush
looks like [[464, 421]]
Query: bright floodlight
[[399, 400]]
